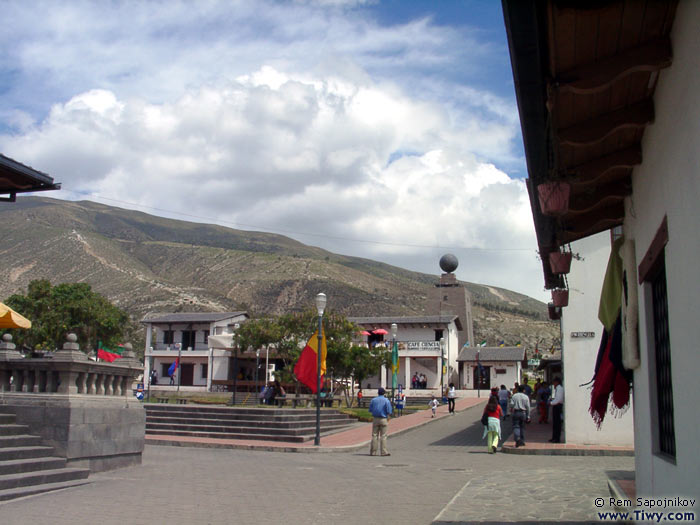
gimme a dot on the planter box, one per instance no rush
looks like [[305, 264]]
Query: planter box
[[554, 198], [554, 312], [560, 297], [559, 262]]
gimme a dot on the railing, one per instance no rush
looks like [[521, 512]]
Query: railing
[[67, 371]]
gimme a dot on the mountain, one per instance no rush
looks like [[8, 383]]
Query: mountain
[[146, 264]]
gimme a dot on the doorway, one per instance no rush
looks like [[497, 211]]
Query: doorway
[[187, 377], [482, 380]]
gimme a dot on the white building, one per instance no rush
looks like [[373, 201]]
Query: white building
[[187, 335], [581, 336], [420, 350], [499, 366], [612, 114]]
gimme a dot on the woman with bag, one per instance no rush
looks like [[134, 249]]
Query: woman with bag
[[491, 419]]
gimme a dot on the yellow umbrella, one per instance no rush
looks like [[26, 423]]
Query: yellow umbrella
[[11, 319]]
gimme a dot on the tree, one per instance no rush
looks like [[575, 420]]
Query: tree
[[58, 310]]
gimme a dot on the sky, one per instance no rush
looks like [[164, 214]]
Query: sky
[[380, 129]]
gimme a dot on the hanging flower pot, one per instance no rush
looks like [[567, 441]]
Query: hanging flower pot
[[554, 197], [560, 297], [554, 312], [559, 262]]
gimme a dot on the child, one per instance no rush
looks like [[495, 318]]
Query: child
[[434, 403]]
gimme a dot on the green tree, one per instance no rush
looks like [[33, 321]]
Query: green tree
[[70, 307]]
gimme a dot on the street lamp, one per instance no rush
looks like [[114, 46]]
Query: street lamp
[[394, 359], [235, 364], [320, 307], [257, 369], [442, 367]]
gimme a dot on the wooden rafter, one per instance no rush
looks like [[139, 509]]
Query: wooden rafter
[[599, 76], [601, 196], [599, 128], [592, 172], [577, 227]]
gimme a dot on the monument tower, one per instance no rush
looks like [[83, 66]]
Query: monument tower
[[451, 297]]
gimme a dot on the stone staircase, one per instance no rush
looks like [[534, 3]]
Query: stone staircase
[[268, 424], [27, 467]]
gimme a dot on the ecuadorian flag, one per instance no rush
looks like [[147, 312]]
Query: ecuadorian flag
[[106, 354], [305, 369]]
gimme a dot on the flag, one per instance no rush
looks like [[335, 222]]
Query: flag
[[395, 365], [518, 343], [483, 343], [305, 369], [466, 345], [173, 367], [537, 350], [502, 344], [106, 354]]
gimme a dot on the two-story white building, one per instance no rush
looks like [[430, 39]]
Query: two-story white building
[[424, 343], [187, 335]]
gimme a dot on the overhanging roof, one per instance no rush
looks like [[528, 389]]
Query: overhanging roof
[[16, 178], [417, 320], [492, 353], [585, 74], [192, 317]]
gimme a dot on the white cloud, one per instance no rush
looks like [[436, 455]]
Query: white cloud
[[284, 122]]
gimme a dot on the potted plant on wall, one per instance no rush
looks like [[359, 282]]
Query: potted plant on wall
[[560, 297], [560, 261], [554, 197]]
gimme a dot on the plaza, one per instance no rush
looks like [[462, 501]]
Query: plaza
[[438, 472]]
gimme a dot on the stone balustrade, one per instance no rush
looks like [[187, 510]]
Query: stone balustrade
[[67, 371], [84, 409]]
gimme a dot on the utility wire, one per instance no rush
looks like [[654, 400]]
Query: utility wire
[[266, 229]]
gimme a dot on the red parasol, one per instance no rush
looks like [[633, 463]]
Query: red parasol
[[365, 332], [380, 331]]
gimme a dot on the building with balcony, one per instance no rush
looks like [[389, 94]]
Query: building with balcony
[[186, 335]]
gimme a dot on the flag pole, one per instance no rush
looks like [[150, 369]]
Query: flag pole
[[179, 349]]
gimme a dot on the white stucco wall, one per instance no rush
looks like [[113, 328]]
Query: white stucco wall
[[668, 184], [579, 354]]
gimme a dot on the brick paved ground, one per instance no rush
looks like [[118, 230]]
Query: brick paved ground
[[437, 473]]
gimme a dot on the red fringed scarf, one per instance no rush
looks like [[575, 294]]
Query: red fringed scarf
[[611, 381]]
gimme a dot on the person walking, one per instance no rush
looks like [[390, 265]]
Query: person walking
[[520, 407], [503, 398], [380, 408], [543, 394], [492, 429], [557, 408], [451, 398], [433, 404]]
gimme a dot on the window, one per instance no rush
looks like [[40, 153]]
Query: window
[[206, 336], [188, 339], [164, 369], [168, 337], [652, 270], [438, 334], [205, 371], [662, 359]]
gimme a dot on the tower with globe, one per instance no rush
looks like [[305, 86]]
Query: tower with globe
[[450, 297]]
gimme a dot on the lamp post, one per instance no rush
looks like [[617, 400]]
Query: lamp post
[[257, 369], [235, 364], [442, 367], [394, 359], [320, 307], [478, 375]]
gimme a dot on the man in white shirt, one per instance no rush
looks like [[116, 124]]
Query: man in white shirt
[[520, 407], [557, 407]]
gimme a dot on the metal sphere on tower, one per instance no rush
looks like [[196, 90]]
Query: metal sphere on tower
[[448, 263]]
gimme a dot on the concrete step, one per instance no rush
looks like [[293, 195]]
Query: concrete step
[[184, 413], [20, 440], [246, 422], [20, 492], [40, 477], [12, 429], [16, 466], [150, 427], [6, 419], [153, 407], [233, 435], [25, 452]]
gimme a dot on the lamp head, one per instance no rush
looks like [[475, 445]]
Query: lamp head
[[394, 330], [320, 303]]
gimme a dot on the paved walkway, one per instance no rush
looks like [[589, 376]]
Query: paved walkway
[[438, 473]]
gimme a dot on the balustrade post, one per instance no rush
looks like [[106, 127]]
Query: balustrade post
[[90, 383]]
